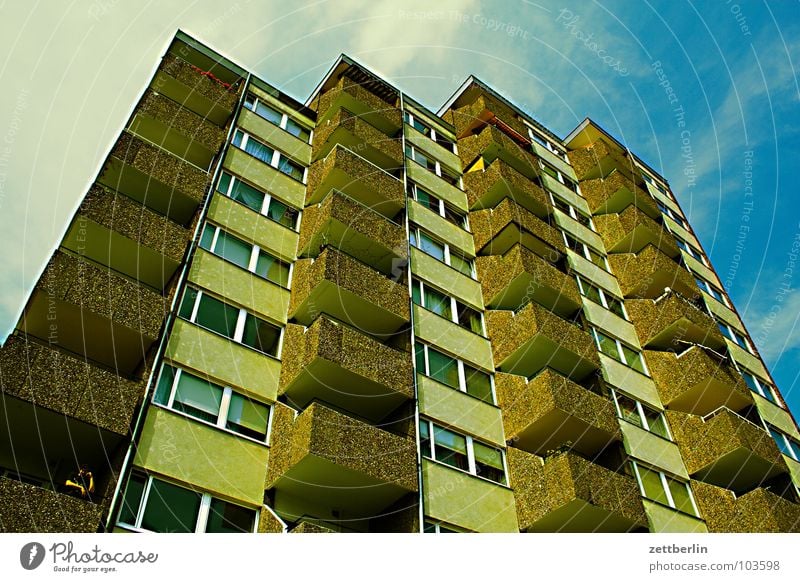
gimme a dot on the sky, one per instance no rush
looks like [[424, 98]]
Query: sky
[[706, 92]]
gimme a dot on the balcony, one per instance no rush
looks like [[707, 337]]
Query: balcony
[[353, 175], [550, 411], [631, 230], [498, 229], [672, 320], [113, 230], [533, 338], [160, 120], [616, 192], [519, 276], [491, 144], [75, 300], [186, 84], [336, 363], [725, 449], [67, 385], [486, 188], [346, 289], [566, 493], [26, 508], [352, 132], [154, 177], [756, 511], [599, 159], [355, 97], [649, 272], [486, 109], [356, 230], [340, 462], [697, 381]]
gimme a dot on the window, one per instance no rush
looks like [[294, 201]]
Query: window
[[712, 290], [572, 212], [159, 506], [691, 251], [441, 251], [255, 199], [614, 348], [438, 206], [554, 173], [276, 117], [659, 487], [666, 210], [654, 184], [585, 251], [245, 255], [454, 373], [270, 156], [462, 452], [787, 445], [760, 387], [544, 142], [232, 322], [641, 415], [209, 402], [433, 166], [430, 132], [436, 527], [733, 335], [448, 307], [596, 294]]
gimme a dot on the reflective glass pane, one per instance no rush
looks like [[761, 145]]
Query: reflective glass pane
[[248, 417], [224, 517], [479, 384], [132, 499], [170, 509], [272, 269], [443, 368], [261, 335], [233, 249], [217, 316], [197, 397], [247, 195]]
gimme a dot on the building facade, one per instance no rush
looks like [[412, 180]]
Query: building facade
[[356, 314]]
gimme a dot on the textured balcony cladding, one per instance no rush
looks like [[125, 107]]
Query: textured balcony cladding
[[498, 180], [26, 508], [190, 76], [511, 280], [181, 119], [726, 449], [129, 218], [347, 275], [551, 410], [363, 136], [67, 385], [570, 494], [306, 527], [343, 170], [499, 228], [668, 321], [70, 279], [161, 165], [483, 109], [615, 192], [697, 381], [341, 221], [756, 511], [598, 159], [494, 143], [381, 113], [268, 523], [532, 338], [630, 230], [648, 272]]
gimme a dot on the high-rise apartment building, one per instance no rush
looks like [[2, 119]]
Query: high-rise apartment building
[[357, 314]]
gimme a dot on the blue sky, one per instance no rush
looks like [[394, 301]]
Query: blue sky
[[71, 72]]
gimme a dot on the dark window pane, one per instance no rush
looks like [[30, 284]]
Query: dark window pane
[[224, 517], [469, 318], [208, 236], [224, 182], [424, 439], [282, 214], [438, 303], [297, 130], [233, 249], [132, 499], [489, 462], [170, 509], [165, 384], [259, 150], [247, 195], [653, 487], [681, 496], [269, 113], [290, 168], [628, 410], [261, 335], [197, 397], [479, 384], [217, 316], [187, 303], [419, 354], [443, 368], [451, 448], [272, 269], [248, 417]]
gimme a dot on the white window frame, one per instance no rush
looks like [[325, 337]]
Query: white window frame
[[240, 322], [202, 512], [604, 300], [411, 118], [442, 205], [622, 359], [762, 386], [438, 165], [748, 346], [437, 525], [640, 411], [572, 211], [788, 440], [224, 406], [546, 143], [268, 197], [667, 211], [255, 252], [561, 177], [711, 290], [690, 250], [453, 305], [585, 254], [275, 162], [462, 373], [471, 261], [665, 485], [470, 452], [284, 116]]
